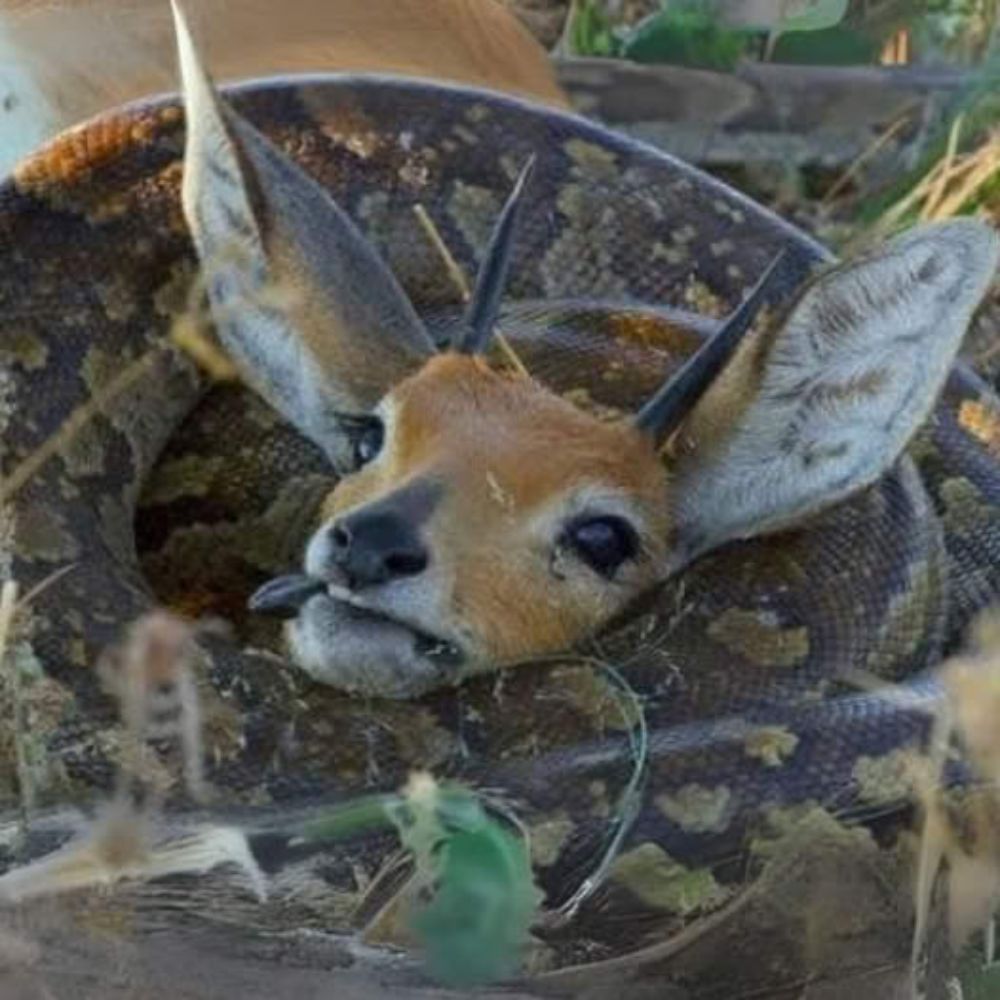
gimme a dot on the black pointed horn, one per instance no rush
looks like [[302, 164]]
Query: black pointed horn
[[481, 315], [664, 411]]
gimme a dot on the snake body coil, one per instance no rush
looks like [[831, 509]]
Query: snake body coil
[[739, 663]]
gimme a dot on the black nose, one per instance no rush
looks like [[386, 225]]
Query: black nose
[[376, 546]]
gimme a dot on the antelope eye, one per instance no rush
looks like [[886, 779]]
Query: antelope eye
[[366, 434], [368, 442], [603, 543]]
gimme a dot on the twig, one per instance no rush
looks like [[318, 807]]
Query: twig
[[462, 282], [940, 173], [8, 666], [76, 421], [863, 157], [43, 585], [631, 798], [455, 272], [937, 192], [981, 165], [986, 163]]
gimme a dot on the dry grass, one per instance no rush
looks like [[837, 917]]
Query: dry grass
[[150, 674], [458, 276], [955, 180], [961, 827], [71, 427]]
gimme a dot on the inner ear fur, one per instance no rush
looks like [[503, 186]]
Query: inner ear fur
[[822, 402], [311, 315]]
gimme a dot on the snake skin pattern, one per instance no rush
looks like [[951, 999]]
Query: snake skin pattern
[[123, 463]]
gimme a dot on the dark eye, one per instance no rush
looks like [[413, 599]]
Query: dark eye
[[368, 442], [603, 543], [366, 434]]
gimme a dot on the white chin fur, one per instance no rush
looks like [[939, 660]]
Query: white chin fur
[[356, 654]]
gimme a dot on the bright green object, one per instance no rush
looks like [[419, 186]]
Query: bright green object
[[477, 873], [685, 36], [821, 14], [591, 31], [476, 892], [837, 46]]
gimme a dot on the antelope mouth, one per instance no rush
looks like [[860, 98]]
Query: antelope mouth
[[285, 596]]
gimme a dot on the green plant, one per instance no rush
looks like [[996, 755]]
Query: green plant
[[475, 897], [591, 31], [685, 34]]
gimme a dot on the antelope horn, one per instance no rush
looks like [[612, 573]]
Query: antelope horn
[[663, 412], [481, 316]]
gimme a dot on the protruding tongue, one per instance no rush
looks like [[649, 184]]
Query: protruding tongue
[[284, 595]]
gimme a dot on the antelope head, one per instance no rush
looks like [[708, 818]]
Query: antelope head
[[481, 519]]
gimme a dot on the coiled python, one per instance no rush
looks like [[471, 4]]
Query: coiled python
[[126, 468]]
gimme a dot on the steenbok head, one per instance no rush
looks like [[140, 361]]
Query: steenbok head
[[481, 518]]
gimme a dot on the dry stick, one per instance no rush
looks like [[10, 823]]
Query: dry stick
[[929, 181], [986, 162], [863, 157], [43, 585], [928, 858], [462, 283], [76, 421], [937, 192], [653, 954], [8, 607]]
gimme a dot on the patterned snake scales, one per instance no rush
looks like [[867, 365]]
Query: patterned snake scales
[[126, 464]]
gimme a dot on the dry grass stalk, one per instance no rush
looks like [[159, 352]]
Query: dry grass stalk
[[457, 275], [10, 671], [54, 445], [962, 827], [982, 167], [937, 191], [948, 185], [863, 157], [150, 674]]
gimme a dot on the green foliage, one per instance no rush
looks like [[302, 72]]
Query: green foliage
[[692, 33], [815, 15], [714, 34], [591, 31], [978, 983], [836, 46], [476, 894], [685, 34], [957, 30], [476, 874]]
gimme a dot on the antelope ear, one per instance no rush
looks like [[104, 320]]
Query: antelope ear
[[826, 402], [310, 314]]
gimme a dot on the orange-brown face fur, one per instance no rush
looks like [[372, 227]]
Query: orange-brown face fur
[[511, 464]]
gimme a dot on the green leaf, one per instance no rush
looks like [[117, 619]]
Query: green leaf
[[357, 816], [684, 36], [591, 31], [838, 46], [475, 875], [812, 15]]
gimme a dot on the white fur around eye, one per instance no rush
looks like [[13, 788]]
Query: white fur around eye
[[549, 526]]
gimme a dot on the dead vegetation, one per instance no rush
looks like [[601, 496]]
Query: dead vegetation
[[856, 885]]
